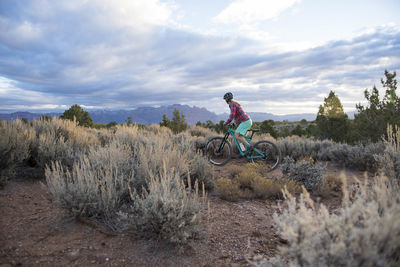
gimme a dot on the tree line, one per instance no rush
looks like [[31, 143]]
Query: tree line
[[369, 124]]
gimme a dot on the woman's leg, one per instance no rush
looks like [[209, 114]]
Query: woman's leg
[[241, 139], [241, 131]]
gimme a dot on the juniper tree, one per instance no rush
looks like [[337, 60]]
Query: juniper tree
[[331, 120], [82, 117], [371, 121]]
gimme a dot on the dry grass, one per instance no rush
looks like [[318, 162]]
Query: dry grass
[[227, 189], [249, 182]]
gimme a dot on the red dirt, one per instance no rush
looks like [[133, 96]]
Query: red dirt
[[33, 232]]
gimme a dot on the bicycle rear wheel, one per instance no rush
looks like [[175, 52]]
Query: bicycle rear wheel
[[218, 151], [267, 152]]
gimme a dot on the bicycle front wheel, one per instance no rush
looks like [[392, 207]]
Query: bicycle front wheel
[[218, 151], [267, 152]]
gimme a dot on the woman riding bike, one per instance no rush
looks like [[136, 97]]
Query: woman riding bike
[[241, 119]]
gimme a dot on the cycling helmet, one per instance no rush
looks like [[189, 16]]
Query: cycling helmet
[[228, 96]]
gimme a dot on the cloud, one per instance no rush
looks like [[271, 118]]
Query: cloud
[[250, 11], [99, 54]]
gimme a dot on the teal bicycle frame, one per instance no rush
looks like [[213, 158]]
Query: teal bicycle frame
[[259, 155]]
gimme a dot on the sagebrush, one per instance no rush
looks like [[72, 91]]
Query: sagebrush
[[363, 232]]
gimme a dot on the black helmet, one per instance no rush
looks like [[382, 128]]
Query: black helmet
[[228, 96]]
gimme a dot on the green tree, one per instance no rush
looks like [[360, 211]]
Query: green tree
[[165, 121], [128, 121], [299, 131], [209, 124], [82, 117], [111, 124], [312, 130], [331, 120], [371, 121], [284, 132], [178, 122], [268, 126], [220, 127]]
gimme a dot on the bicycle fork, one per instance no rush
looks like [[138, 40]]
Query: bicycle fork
[[221, 146]]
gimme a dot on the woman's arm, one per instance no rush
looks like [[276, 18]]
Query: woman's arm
[[233, 112]]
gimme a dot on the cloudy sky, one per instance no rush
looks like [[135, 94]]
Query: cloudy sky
[[281, 57]]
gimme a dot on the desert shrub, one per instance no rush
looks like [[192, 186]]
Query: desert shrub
[[304, 172], [227, 189], [361, 233], [97, 184], [106, 136], [152, 148], [301, 147], [331, 184], [246, 177], [48, 148], [184, 142], [234, 170], [201, 171], [149, 159], [199, 168], [390, 160], [15, 138], [150, 151], [265, 188], [249, 182], [60, 140], [167, 210], [157, 130], [360, 156], [126, 134], [292, 186], [200, 144], [199, 131]]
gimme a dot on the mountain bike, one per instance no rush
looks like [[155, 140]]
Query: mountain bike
[[219, 150]]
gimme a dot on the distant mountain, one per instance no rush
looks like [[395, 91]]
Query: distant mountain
[[148, 115], [27, 115], [142, 115]]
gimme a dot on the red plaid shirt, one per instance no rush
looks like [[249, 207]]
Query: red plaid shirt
[[237, 113]]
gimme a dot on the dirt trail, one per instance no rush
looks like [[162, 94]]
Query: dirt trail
[[33, 232]]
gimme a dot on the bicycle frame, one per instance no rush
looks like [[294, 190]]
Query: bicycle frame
[[248, 139]]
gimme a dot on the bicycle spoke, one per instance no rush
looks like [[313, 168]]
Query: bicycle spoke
[[266, 152], [218, 151]]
